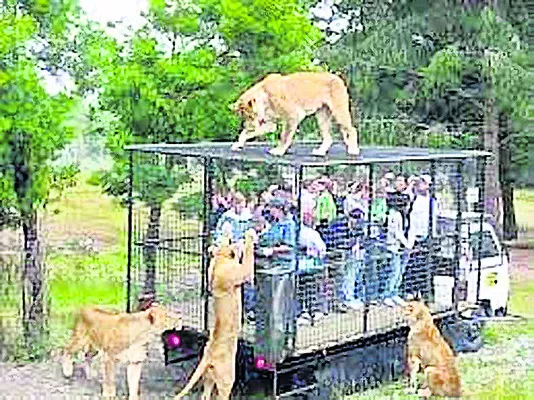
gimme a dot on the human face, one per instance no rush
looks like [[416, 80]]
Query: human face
[[277, 213], [400, 183]]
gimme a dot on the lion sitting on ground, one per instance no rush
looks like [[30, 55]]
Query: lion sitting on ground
[[226, 275], [428, 350], [290, 99], [117, 337]]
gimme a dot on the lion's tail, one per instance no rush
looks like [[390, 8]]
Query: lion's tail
[[202, 367]]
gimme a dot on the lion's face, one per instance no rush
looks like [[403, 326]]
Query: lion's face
[[245, 107], [415, 311], [163, 319]]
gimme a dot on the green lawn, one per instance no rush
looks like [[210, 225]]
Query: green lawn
[[524, 206]]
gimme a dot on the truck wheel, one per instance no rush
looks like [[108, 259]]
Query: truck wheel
[[501, 312]]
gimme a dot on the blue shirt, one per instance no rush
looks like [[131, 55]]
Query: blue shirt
[[281, 233], [239, 223]]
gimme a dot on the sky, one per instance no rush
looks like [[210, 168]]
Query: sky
[[114, 10]]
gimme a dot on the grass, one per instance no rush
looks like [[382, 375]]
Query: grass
[[80, 275], [524, 207], [77, 280]]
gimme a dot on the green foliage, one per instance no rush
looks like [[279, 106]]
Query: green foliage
[[33, 128], [444, 71], [183, 95]]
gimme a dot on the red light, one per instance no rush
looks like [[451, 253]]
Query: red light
[[260, 363], [174, 340]]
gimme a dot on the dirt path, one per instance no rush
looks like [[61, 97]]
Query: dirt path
[[45, 381]]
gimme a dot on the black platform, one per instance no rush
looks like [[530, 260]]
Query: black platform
[[300, 154]]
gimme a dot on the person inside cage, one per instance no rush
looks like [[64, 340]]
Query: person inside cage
[[403, 187], [357, 199], [417, 277], [325, 205], [236, 220], [353, 283], [311, 298], [308, 196], [390, 275], [275, 272]]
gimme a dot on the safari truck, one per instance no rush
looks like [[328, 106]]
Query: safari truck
[[173, 212]]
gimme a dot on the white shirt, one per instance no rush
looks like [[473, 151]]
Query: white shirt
[[307, 201], [420, 219], [395, 235], [351, 202], [312, 241]]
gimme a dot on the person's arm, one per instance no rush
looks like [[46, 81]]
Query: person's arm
[[399, 234], [320, 245]]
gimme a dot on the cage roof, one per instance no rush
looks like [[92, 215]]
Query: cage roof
[[300, 154]]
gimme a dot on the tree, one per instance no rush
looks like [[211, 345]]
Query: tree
[[33, 129], [174, 79], [460, 65]]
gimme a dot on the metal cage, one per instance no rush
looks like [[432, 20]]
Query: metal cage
[[327, 290]]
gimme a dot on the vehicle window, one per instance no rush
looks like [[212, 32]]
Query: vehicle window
[[488, 247]]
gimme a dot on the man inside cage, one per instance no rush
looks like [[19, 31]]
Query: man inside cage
[[422, 207], [275, 273]]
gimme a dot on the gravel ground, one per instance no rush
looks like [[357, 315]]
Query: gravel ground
[[45, 381]]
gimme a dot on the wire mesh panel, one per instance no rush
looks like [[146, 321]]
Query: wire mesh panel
[[263, 197], [167, 233], [341, 243], [11, 295]]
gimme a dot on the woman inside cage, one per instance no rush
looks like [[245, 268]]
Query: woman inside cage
[[311, 299], [390, 275]]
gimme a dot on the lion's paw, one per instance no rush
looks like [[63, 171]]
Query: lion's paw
[[353, 151], [237, 147], [277, 151], [67, 367], [319, 152], [424, 392]]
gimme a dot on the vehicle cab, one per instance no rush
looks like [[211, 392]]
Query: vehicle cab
[[484, 262]]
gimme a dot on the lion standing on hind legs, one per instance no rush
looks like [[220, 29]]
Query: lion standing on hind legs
[[290, 99], [226, 275]]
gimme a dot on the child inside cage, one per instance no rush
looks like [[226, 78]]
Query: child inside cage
[[236, 220]]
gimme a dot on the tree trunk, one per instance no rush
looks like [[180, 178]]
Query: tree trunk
[[150, 251], [33, 285], [509, 227], [492, 200]]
